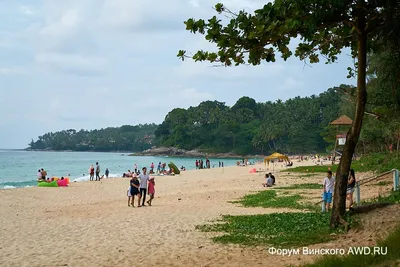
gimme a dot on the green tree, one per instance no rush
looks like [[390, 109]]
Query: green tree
[[324, 27]]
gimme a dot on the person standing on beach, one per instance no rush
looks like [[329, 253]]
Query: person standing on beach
[[197, 164], [39, 175], [97, 171], [144, 179], [107, 172], [133, 190], [329, 185], [152, 168], [159, 168], [350, 187], [91, 172]]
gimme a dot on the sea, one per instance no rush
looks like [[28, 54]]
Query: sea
[[18, 168]]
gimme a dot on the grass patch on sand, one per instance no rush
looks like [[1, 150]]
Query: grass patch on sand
[[390, 259], [393, 198], [383, 183], [276, 229], [301, 186], [270, 199], [376, 162]]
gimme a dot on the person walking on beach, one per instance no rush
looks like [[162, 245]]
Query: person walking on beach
[[91, 172], [107, 172], [133, 191], [97, 171], [329, 185], [151, 189], [144, 179]]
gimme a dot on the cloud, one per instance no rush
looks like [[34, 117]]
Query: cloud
[[100, 63], [72, 63], [10, 71]]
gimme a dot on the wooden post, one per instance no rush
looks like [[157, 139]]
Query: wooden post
[[323, 206], [395, 180], [358, 196]]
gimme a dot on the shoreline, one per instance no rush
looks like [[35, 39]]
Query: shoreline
[[186, 154]]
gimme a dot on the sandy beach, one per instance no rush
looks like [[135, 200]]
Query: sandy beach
[[90, 223]]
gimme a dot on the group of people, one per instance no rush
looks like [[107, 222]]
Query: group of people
[[92, 171], [139, 186], [200, 164], [329, 186]]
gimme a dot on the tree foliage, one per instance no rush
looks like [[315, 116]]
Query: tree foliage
[[324, 28], [248, 127], [124, 138]]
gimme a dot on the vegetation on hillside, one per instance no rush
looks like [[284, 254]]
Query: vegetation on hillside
[[248, 127], [124, 138]]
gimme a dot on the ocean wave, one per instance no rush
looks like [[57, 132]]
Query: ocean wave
[[10, 185], [87, 177]]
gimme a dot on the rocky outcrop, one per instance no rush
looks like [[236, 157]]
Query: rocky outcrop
[[176, 152]]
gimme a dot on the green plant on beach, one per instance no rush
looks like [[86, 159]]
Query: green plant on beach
[[270, 199], [277, 229], [390, 259], [301, 186]]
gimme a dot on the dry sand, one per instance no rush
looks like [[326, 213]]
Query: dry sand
[[90, 223]]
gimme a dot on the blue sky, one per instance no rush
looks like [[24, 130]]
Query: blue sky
[[98, 63]]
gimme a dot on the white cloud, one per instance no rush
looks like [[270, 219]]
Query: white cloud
[[72, 63], [99, 63], [10, 71], [28, 10]]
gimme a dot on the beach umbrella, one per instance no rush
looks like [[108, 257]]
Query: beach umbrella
[[275, 155]]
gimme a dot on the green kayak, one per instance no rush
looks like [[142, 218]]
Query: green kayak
[[174, 168], [46, 184]]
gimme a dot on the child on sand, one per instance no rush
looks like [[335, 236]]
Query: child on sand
[[133, 191], [329, 185], [151, 190]]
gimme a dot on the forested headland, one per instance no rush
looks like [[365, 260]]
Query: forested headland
[[124, 138], [298, 125]]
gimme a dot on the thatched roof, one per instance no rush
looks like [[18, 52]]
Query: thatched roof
[[342, 120]]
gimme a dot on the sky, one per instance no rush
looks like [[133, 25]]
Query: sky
[[91, 64]]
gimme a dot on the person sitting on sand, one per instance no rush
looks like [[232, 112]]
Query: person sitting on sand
[[128, 174], [269, 181], [272, 177], [151, 190], [133, 191]]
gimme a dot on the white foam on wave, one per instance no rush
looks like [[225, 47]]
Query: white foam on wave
[[87, 177], [9, 187]]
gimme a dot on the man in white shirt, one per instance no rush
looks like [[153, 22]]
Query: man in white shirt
[[329, 187], [144, 178]]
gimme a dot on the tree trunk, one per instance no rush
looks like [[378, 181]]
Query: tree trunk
[[342, 173]]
